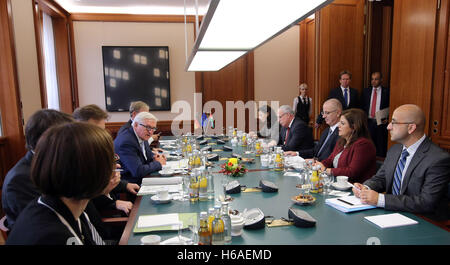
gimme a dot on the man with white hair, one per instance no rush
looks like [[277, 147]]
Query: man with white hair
[[295, 135], [135, 154]]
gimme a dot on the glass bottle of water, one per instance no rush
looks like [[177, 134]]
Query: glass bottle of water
[[210, 181], [226, 223], [217, 228]]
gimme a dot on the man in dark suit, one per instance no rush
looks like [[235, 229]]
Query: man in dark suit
[[332, 110], [136, 157], [374, 99], [415, 173], [348, 96], [295, 135]]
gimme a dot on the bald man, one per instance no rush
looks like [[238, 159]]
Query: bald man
[[415, 173]]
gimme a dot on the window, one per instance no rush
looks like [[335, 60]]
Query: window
[[51, 81]]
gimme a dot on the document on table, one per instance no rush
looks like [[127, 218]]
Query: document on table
[[179, 164], [390, 220], [158, 220], [348, 204], [152, 185]]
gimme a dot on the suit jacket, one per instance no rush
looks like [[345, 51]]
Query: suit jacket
[[358, 161], [299, 138], [18, 191], [425, 182], [125, 126], [327, 149], [38, 225], [337, 94], [366, 97], [132, 159]]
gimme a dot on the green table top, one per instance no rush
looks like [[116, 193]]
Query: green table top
[[333, 227]]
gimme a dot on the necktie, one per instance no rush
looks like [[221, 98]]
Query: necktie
[[143, 150], [396, 187], [374, 103], [287, 134], [330, 132], [346, 97]]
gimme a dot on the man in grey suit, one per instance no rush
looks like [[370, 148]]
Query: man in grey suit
[[415, 173]]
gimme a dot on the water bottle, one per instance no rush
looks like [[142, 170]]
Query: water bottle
[[210, 187], [226, 223], [217, 228]]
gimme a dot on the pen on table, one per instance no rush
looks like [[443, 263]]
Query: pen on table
[[345, 202], [354, 186]]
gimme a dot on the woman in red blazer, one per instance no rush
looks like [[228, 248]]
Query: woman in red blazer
[[354, 154]]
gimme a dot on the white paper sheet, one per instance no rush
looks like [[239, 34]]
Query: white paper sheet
[[153, 189], [162, 181], [391, 220], [158, 220]]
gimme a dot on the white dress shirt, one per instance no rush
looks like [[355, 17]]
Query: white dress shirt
[[348, 94], [377, 106]]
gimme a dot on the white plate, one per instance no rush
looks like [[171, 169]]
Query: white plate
[[339, 187], [166, 172], [156, 199]]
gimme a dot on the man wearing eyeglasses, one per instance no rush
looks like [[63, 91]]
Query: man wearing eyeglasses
[[295, 135], [132, 146], [415, 173], [332, 110]]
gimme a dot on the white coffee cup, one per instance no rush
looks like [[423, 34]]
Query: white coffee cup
[[163, 194], [151, 240], [237, 224], [342, 180]]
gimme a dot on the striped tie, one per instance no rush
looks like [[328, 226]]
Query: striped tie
[[398, 173]]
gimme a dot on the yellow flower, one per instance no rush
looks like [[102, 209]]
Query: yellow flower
[[233, 161]]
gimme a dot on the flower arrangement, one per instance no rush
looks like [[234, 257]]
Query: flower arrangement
[[233, 168]]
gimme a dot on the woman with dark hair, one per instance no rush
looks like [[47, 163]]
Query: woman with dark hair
[[268, 124], [73, 163], [354, 154]]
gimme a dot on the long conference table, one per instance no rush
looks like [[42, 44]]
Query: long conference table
[[333, 227]]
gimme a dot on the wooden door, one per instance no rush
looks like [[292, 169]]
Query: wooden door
[[413, 42], [440, 119]]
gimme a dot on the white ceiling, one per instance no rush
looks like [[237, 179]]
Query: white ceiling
[[153, 7]]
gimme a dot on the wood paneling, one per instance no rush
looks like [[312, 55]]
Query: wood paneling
[[234, 83], [165, 127], [132, 18], [412, 53], [12, 144], [440, 118]]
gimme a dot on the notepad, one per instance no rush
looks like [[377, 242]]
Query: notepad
[[153, 185], [391, 220], [159, 220], [348, 204]]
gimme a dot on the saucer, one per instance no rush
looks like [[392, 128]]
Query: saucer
[[166, 172], [156, 199], [339, 187]]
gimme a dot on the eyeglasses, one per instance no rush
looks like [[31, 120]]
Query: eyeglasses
[[397, 122], [149, 128], [327, 112], [281, 116]]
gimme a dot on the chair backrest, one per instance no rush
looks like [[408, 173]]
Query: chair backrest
[[3, 227]]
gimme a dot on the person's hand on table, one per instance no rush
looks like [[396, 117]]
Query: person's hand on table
[[369, 196], [359, 188], [160, 158], [290, 153], [124, 206], [133, 188]]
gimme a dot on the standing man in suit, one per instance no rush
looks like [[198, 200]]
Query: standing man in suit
[[132, 146], [415, 173], [295, 135], [332, 110], [348, 96], [374, 99]]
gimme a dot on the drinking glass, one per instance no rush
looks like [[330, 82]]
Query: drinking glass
[[327, 180], [185, 192]]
